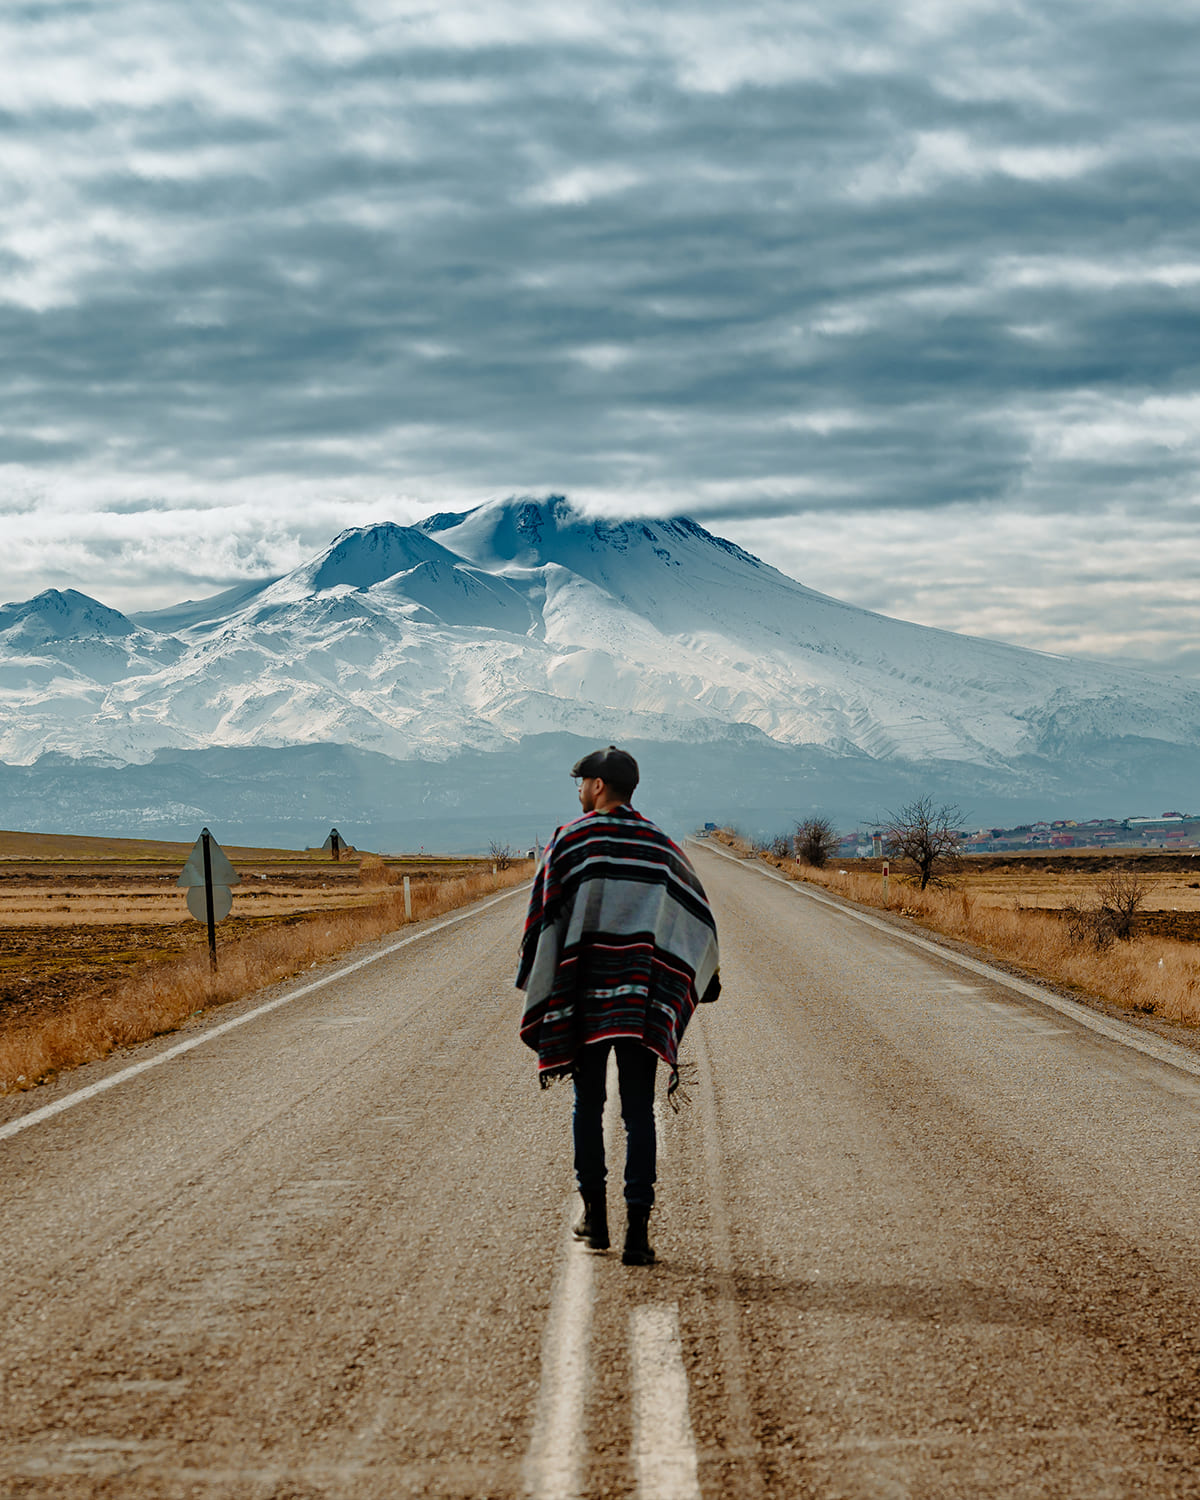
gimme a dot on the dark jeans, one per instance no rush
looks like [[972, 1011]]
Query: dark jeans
[[635, 1074]]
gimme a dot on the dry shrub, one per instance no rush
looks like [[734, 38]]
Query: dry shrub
[[1112, 913], [1156, 976], [815, 842], [162, 996], [501, 855]]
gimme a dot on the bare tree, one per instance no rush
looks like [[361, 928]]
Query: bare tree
[[1113, 912], [502, 854], [780, 845], [928, 837], [815, 842]]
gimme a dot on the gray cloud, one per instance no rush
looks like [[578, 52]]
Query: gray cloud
[[768, 263]]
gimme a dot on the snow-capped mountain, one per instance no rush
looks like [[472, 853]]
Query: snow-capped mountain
[[520, 618]]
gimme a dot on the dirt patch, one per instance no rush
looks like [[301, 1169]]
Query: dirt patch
[[44, 970]]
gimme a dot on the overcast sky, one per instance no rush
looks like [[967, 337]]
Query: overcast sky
[[903, 297]]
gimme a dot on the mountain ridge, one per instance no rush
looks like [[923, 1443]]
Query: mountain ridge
[[474, 630]]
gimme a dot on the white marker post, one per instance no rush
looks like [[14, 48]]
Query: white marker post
[[407, 900], [886, 873]]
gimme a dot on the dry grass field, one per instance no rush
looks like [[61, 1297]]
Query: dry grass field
[[1052, 882], [98, 949], [1014, 906]]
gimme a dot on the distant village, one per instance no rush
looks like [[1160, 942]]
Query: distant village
[[1170, 830]]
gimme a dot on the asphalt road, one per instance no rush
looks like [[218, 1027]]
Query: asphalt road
[[920, 1235]]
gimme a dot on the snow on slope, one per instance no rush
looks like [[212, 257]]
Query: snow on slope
[[522, 617], [60, 654], [750, 643]]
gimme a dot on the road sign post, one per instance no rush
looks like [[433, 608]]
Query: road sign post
[[209, 911], [207, 876]]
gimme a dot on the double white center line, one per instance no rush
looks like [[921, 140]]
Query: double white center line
[[663, 1455], [664, 1449]]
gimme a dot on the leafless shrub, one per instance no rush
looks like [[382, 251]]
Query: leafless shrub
[[501, 854], [780, 845], [816, 842], [1111, 916], [928, 837]]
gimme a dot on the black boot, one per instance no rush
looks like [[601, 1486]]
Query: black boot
[[592, 1227], [637, 1250]]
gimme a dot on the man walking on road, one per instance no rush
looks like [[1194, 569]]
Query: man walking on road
[[620, 945]]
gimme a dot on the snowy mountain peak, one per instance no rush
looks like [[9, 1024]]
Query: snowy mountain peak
[[366, 555], [58, 615], [516, 531], [528, 533], [358, 559]]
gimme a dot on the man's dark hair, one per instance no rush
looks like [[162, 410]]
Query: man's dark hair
[[616, 768]]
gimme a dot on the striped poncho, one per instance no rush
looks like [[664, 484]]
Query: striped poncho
[[619, 942]]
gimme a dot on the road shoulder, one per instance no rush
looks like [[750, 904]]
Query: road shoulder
[[1175, 1034]]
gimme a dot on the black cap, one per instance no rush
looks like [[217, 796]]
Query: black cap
[[617, 767]]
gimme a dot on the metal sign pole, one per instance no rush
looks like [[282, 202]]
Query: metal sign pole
[[208, 900]]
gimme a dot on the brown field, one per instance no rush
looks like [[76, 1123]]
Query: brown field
[[1012, 906], [1049, 882], [85, 923]]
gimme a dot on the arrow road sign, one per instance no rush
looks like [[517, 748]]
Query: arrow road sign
[[223, 872]]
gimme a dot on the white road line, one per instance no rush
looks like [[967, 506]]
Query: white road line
[[48, 1111], [1118, 1031], [664, 1449], [554, 1463], [660, 1129]]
